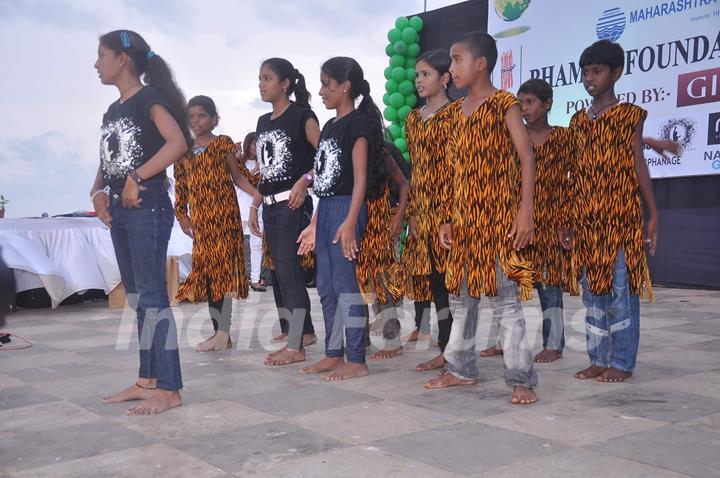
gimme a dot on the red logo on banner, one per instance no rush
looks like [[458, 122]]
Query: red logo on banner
[[698, 87], [506, 70]]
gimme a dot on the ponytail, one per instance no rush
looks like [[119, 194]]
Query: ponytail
[[286, 71], [341, 69], [156, 73]]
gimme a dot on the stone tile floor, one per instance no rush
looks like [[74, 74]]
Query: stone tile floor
[[241, 418]]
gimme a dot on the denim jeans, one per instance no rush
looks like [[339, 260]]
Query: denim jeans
[[612, 322], [343, 307], [282, 228], [140, 237], [507, 313], [553, 325]]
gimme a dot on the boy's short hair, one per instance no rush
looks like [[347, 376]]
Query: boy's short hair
[[537, 87], [603, 52], [481, 44]]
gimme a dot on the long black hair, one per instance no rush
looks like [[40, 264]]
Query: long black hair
[[341, 69], [285, 70], [156, 72]]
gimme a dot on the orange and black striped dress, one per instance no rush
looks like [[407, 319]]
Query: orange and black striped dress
[[606, 205], [484, 199], [378, 273], [547, 256], [426, 140], [203, 184]]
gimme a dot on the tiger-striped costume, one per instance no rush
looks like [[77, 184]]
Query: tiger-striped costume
[[484, 197], [203, 183], [427, 142], [606, 207]]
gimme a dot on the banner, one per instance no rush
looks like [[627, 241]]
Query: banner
[[672, 65]]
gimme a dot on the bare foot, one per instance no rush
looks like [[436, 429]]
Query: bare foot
[[411, 337], [547, 356], [387, 353], [376, 327], [614, 375], [523, 395], [141, 390], [432, 364], [286, 357], [201, 344], [276, 352], [591, 372], [309, 339], [325, 365], [447, 380], [347, 371], [160, 401], [280, 338], [491, 351], [217, 343]]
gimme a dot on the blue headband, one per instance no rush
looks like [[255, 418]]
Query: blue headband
[[125, 39]]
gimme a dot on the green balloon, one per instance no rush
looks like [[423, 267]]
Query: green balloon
[[410, 62], [394, 35], [406, 88], [401, 23], [416, 23], [386, 99], [406, 156], [409, 74], [411, 100], [400, 47], [395, 130], [402, 130], [401, 144], [397, 60], [397, 100], [403, 111], [390, 113], [389, 50], [409, 35], [391, 86], [413, 50], [398, 74], [388, 72]]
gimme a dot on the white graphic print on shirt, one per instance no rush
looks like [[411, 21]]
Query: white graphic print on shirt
[[273, 152], [327, 164], [120, 149]]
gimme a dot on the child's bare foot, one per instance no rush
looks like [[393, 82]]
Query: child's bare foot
[[201, 344], [492, 351], [376, 327], [286, 357], [347, 371], [309, 339], [432, 364], [140, 390], [447, 380], [547, 356], [217, 343], [160, 401], [274, 353], [325, 365], [387, 353], [592, 371], [523, 395], [280, 338], [614, 375]]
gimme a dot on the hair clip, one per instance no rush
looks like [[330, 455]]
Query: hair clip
[[150, 54], [125, 39]]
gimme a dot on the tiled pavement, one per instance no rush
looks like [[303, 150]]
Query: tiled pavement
[[244, 419]]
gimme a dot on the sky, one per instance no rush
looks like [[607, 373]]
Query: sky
[[52, 101]]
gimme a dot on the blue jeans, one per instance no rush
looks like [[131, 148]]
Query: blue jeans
[[553, 325], [342, 304], [140, 237], [612, 322]]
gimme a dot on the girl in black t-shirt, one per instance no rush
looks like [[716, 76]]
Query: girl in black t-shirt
[[349, 167], [143, 132], [285, 142]]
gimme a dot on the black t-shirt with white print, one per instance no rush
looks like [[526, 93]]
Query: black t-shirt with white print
[[333, 158], [129, 138], [283, 151]]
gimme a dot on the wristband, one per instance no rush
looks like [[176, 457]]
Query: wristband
[[255, 207], [136, 177], [309, 177], [103, 190]]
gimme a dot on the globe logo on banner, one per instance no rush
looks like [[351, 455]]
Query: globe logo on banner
[[611, 25], [509, 11]]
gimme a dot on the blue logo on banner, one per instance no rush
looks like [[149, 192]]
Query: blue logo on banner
[[611, 24]]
